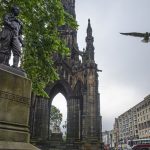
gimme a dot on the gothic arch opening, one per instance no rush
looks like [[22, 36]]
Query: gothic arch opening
[[59, 93], [60, 86], [56, 125], [74, 99]]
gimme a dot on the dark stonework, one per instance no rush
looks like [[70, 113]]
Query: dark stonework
[[15, 92], [69, 6], [13, 70], [79, 84]]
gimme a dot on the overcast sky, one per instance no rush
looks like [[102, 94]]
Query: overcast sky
[[125, 60]]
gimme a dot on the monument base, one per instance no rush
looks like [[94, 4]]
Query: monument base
[[13, 70], [91, 144], [15, 97], [16, 146]]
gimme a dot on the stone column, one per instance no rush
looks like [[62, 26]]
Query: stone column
[[40, 120], [15, 92], [84, 125], [73, 128], [90, 119], [70, 120]]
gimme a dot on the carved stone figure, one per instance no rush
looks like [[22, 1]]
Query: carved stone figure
[[11, 38], [56, 129]]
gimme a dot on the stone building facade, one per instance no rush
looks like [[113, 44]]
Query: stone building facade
[[134, 123], [79, 85], [143, 118], [116, 133], [128, 125]]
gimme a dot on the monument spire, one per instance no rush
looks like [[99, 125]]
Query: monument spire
[[89, 43]]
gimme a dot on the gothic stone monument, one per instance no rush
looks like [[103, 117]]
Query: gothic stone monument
[[15, 90], [79, 84]]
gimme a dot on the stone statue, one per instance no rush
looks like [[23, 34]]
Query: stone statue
[[56, 129], [142, 35], [11, 38]]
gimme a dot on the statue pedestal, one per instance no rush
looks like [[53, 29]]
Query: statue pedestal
[[15, 92], [91, 143], [56, 137]]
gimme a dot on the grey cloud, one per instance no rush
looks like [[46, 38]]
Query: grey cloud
[[124, 60]]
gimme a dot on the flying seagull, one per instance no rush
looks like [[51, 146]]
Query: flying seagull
[[142, 35]]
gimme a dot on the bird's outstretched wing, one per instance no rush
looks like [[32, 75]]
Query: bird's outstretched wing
[[135, 34]]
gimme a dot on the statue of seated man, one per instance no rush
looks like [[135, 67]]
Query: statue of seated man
[[11, 38]]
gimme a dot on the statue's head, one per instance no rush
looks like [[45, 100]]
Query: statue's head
[[15, 10]]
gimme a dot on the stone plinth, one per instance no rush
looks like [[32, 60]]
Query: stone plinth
[[91, 144], [15, 92], [56, 137]]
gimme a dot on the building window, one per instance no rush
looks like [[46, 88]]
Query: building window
[[146, 132]]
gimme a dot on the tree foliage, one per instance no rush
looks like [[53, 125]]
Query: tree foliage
[[41, 19], [55, 117]]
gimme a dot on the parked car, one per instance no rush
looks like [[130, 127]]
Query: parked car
[[141, 147]]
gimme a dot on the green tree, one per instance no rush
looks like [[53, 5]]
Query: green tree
[[55, 117], [41, 19]]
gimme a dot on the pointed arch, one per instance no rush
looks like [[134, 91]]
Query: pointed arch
[[78, 88], [60, 86]]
